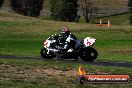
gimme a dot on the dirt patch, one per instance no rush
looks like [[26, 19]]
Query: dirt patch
[[26, 72], [54, 72], [124, 51], [8, 72]]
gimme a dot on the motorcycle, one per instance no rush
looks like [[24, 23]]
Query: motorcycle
[[83, 49]]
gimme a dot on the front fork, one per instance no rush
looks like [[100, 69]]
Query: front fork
[[46, 49]]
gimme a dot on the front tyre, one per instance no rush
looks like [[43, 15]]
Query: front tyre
[[89, 54], [46, 55]]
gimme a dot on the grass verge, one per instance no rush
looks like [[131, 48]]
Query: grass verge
[[51, 73], [26, 37]]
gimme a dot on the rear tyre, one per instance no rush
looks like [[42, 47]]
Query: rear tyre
[[89, 54], [44, 54]]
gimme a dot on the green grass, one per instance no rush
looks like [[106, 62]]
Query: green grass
[[26, 38], [20, 35], [120, 19], [64, 66], [45, 18]]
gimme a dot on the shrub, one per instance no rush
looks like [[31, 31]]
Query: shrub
[[1, 3], [27, 7]]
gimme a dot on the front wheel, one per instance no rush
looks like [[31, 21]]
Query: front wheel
[[89, 54], [46, 55]]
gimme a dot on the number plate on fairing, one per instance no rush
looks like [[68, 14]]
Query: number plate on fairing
[[89, 41]]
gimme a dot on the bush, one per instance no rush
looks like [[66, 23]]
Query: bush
[[1, 3], [55, 5], [130, 8], [27, 7], [64, 10]]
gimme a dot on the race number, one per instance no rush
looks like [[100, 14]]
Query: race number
[[89, 41]]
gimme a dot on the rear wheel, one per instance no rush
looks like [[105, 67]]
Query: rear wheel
[[89, 54], [46, 55]]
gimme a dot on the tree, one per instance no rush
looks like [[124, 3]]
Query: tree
[[130, 8], [55, 5], [68, 11], [88, 9], [27, 7], [64, 10], [1, 3]]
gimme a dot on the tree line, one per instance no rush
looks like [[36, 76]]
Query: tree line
[[63, 10], [130, 8], [1, 3], [27, 7], [66, 10]]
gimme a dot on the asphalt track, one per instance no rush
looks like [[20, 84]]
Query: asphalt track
[[99, 63]]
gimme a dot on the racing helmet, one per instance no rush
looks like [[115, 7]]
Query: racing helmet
[[65, 31]]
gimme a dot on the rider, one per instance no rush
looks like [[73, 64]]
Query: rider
[[65, 40], [68, 40]]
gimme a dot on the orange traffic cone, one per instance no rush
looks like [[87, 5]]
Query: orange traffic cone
[[101, 24], [108, 23]]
